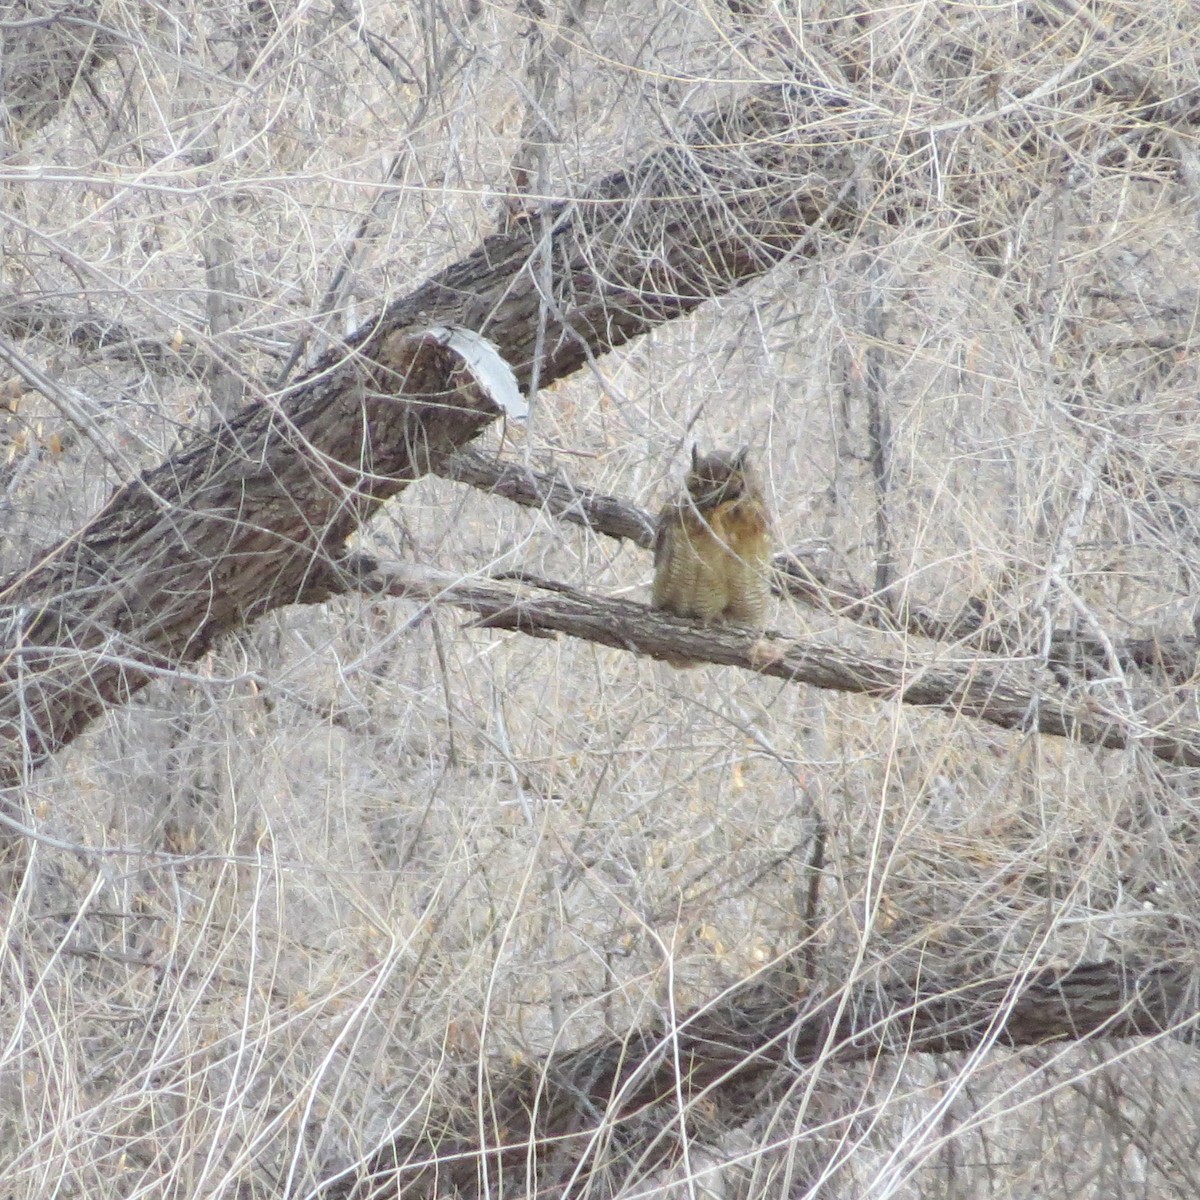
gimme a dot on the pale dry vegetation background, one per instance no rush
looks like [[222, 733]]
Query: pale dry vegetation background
[[364, 852]]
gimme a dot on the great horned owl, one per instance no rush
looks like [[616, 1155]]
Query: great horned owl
[[713, 546]]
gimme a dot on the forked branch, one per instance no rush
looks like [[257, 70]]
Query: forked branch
[[250, 516]]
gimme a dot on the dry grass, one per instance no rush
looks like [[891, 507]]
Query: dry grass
[[365, 855]]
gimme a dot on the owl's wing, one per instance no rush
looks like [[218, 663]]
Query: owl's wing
[[661, 535], [670, 587]]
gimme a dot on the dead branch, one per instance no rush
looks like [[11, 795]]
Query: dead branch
[[556, 494], [613, 1106], [808, 580], [984, 691], [249, 515]]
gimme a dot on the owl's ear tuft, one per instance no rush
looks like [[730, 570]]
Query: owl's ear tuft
[[742, 457], [695, 456]]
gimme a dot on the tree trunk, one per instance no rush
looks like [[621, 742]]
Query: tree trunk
[[252, 514]]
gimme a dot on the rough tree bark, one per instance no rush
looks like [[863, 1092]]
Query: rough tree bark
[[254, 512], [533, 1134], [253, 515], [991, 690]]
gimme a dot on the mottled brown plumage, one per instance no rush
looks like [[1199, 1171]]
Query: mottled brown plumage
[[713, 546]]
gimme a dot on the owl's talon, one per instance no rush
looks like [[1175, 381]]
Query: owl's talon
[[766, 653]]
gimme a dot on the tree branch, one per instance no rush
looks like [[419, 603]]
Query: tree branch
[[982, 691], [807, 580], [612, 1106], [250, 515]]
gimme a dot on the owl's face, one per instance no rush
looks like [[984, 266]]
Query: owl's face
[[719, 477]]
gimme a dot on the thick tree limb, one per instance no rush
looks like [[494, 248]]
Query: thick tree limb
[[613, 1105], [249, 516], [1075, 653], [984, 691]]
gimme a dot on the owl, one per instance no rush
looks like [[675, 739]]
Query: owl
[[712, 549]]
